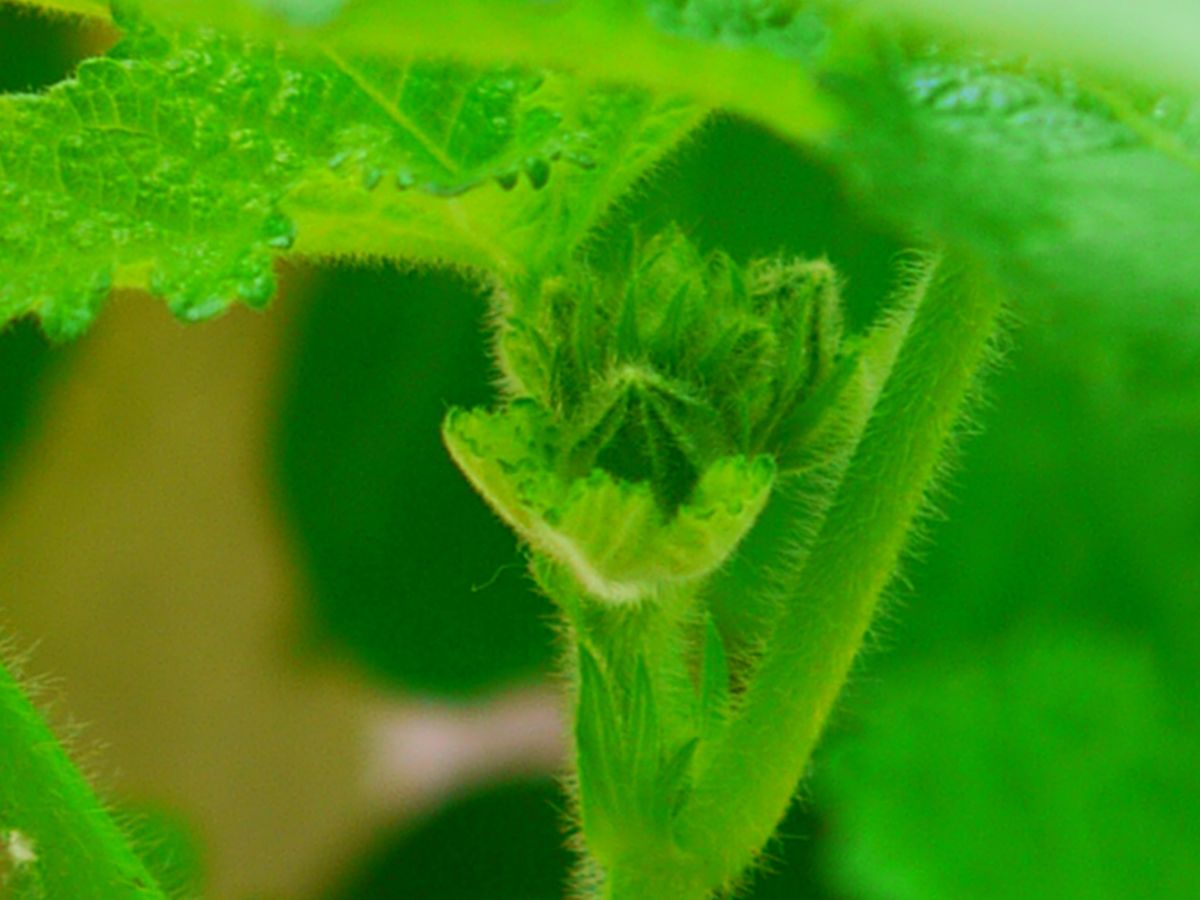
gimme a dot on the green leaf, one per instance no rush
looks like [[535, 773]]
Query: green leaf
[[1042, 175], [643, 749], [94, 8], [39, 51], [748, 57], [170, 846], [598, 753], [1078, 506], [673, 782], [1153, 41], [185, 162], [1049, 764], [1067, 189], [714, 705]]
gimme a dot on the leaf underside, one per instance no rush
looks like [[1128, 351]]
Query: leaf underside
[[189, 159], [186, 163]]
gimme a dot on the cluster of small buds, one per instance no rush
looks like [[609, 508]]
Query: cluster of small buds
[[650, 409]]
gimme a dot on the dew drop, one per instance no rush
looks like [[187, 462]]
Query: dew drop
[[257, 292], [449, 191], [372, 175], [507, 180], [537, 170], [304, 12], [405, 179], [188, 310], [583, 160], [63, 318], [1168, 110], [279, 231], [158, 283], [70, 314]]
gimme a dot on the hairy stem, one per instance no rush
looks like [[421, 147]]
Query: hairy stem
[[53, 831], [745, 789], [652, 882]]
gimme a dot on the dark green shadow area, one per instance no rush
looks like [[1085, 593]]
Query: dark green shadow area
[[24, 360], [1031, 728], [37, 51], [741, 189], [407, 567], [505, 843]]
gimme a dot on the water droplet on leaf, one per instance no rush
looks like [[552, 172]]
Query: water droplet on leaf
[[537, 170], [192, 311], [257, 292], [279, 231], [449, 191]]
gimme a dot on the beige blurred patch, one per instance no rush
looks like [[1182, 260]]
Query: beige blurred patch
[[140, 550]]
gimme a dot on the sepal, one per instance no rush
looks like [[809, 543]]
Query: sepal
[[612, 534]]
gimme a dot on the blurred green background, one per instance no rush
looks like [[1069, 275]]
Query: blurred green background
[[1025, 724]]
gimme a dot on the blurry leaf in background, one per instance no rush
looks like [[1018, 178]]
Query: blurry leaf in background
[[502, 844], [408, 568], [1153, 40], [1046, 766], [1080, 500], [1069, 191], [1032, 729]]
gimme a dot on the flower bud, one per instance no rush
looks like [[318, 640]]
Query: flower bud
[[649, 408]]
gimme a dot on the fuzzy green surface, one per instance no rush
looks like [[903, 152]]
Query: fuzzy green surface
[[746, 788], [186, 162], [55, 838]]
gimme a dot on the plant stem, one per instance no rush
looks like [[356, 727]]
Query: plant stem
[[53, 831], [652, 883], [743, 792]]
